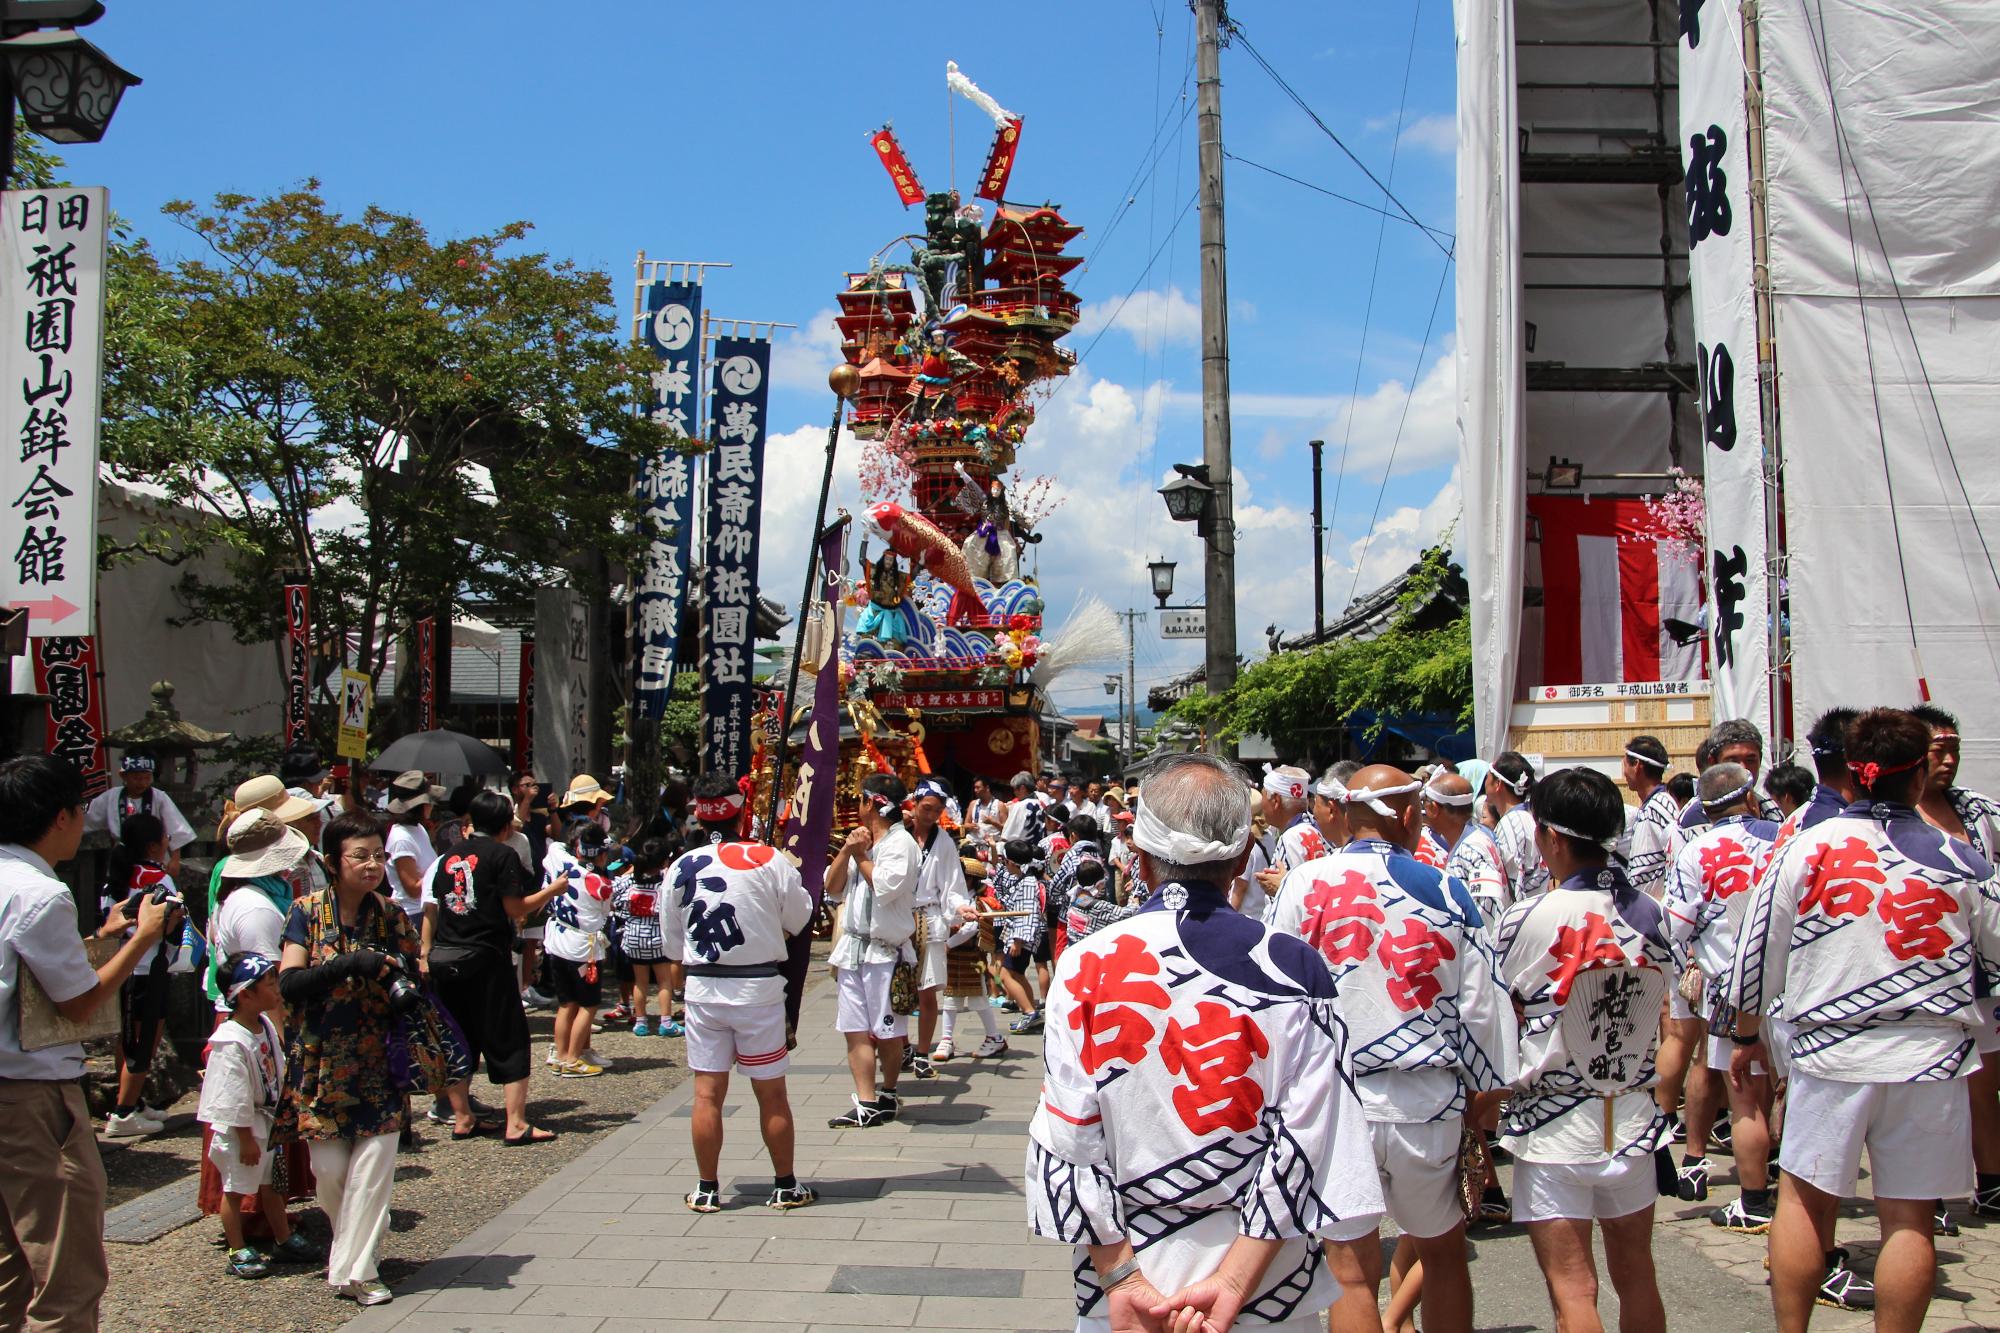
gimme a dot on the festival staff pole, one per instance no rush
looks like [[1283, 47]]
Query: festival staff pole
[[844, 380]]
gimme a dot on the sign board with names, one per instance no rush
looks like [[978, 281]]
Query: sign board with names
[[1190, 623], [51, 384], [958, 701], [1638, 689]]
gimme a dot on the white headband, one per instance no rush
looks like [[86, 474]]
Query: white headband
[[1608, 844], [1519, 788], [1646, 759], [1729, 798], [1291, 787], [1150, 834], [1372, 796], [1433, 794]]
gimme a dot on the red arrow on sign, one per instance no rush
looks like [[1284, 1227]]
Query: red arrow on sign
[[52, 609]]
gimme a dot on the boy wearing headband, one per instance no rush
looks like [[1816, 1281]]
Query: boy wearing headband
[[240, 1090], [875, 874], [1645, 771], [1510, 792]]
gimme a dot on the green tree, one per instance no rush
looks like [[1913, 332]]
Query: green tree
[[400, 419]]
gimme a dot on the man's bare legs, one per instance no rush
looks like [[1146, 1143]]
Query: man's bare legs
[[1357, 1267]]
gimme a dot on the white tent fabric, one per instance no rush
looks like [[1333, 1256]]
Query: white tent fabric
[[1889, 181], [1489, 364]]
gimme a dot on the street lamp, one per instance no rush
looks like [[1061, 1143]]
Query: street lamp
[[67, 88], [1189, 494], [1162, 571]]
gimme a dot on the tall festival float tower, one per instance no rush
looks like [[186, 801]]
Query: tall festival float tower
[[953, 336]]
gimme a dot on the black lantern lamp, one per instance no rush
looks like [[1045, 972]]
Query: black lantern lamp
[[1162, 571], [1188, 495], [66, 88]]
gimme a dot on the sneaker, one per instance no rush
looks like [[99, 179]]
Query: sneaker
[[921, 1068], [643, 1028], [370, 1292], [673, 1027], [1986, 1202], [553, 1059], [1000, 1002], [579, 1069], [1943, 1223], [1692, 1185], [1741, 1216], [798, 1196], [591, 1057], [1009, 1007], [441, 1114], [944, 1052], [700, 1200], [247, 1263], [863, 1115], [534, 999], [296, 1249], [1027, 1024], [1842, 1288], [992, 1046], [132, 1125], [619, 1014]]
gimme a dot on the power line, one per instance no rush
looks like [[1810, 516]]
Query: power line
[[1131, 291], [1433, 232], [1149, 162]]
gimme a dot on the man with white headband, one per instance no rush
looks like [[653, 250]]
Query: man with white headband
[[1707, 890], [874, 875], [1645, 771], [1427, 1028], [940, 893], [1471, 854], [1872, 927], [1285, 809], [137, 794], [1510, 791], [1196, 1129]]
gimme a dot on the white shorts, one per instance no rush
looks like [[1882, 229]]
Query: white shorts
[[1918, 1136], [1419, 1169], [1677, 1006], [1777, 1043], [746, 1036], [864, 1002], [1589, 1191], [228, 1158], [1987, 1035]]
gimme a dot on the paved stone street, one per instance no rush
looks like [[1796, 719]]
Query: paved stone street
[[921, 1225]]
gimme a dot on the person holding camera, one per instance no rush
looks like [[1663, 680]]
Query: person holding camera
[[52, 1266], [348, 953]]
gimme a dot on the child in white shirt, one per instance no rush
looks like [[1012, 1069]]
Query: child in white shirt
[[240, 1089]]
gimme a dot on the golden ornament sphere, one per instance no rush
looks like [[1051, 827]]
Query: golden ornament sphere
[[844, 380]]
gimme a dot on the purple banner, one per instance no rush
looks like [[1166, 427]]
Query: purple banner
[[809, 830]]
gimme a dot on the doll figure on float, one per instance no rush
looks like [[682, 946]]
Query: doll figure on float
[[890, 618]]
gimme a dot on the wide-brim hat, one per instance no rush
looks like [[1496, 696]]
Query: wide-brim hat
[[262, 844], [318, 803], [267, 791], [584, 790], [410, 790]]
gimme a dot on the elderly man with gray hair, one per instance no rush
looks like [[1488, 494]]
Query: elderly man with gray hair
[[1198, 1128]]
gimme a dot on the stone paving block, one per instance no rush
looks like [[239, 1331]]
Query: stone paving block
[[424, 1321], [795, 1308], [517, 1270], [973, 1312], [469, 1300], [784, 1251], [890, 1280], [702, 1275], [908, 1228], [625, 1302]]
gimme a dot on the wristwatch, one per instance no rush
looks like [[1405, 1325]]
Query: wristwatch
[[1739, 1039]]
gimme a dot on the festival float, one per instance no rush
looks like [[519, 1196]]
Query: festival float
[[951, 338]]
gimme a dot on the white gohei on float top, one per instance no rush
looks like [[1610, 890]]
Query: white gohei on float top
[[1859, 307]]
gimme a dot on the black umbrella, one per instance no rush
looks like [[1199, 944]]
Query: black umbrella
[[442, 752]]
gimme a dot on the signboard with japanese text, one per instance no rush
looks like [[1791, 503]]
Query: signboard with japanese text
[[298, 663], [356, 694], [1000, 160], [524, 709], [1637, 689], [423, 639], [51, 382], [943, 701], [66, 671], [666, 492], [897, 164], [735, 498], [1184, 624]]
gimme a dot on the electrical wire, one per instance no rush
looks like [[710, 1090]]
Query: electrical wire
[[1437, 233], [1131, 291], [1149, 162]]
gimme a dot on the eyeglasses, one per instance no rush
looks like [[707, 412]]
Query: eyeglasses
[[366, 858]]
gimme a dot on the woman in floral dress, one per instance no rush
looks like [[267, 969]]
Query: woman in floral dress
[[343, 946]]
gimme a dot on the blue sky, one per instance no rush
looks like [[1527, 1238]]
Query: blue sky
[[738, 132]]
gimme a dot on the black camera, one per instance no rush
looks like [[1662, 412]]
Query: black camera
[[404, 992]]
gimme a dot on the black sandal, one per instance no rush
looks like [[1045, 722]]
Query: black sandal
[[480, 1128], [535, 1134]]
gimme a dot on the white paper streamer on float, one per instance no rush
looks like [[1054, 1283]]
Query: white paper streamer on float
[[972, 93]]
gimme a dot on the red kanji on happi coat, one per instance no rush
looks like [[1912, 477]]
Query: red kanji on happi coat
[[1838, 879], [1106, 990], [1912, 912], [1215, 1053], [1581, 948], [1727, 867], [744, 855], [1341, 918], [1313, 843], [1412, 957]]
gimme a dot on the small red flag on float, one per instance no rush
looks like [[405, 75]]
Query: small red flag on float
[[1000, 161], [908, 188]]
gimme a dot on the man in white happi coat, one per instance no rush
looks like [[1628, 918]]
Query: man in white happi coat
[[1510, 790], [134, 795], [874, 878], [730, 908], [1580, 1119], [1471, 855], [1197, 1129], [1645, 770], [940, 893], [1877, 930], [1426, 1027], [1708, 887]]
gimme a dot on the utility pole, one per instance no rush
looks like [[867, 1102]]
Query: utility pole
[[1130, 728], [1219, 571], [1319, 538]]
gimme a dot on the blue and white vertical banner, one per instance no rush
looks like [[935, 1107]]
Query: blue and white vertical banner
[[736, 427], [1721, 256], [672, 331]]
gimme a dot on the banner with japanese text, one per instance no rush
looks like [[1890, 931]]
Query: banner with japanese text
[[66, 671], [357, 694], [1721, 255], [524, 709], [51, 382], [735, 497], [423, 640], [666, 492], [298, 664], [809, 829]]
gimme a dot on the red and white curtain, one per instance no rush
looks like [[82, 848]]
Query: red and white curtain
[[1617, 604]]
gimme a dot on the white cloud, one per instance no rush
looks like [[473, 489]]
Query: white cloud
[[1431, 134], [801, 357], [1147, 317]]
